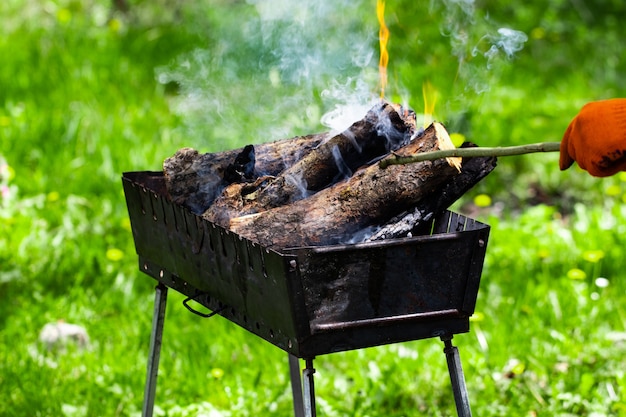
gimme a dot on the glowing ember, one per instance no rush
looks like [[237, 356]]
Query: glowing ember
[[383, 36]]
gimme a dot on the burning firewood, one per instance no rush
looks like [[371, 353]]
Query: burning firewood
[[194, 180], [384, 128], [368, 199], [338, 187], [416, 221]]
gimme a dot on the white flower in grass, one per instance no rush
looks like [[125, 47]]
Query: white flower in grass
[[602, 282]]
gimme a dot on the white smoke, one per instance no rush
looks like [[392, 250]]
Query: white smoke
[[458, 19], [274, 72], [280, 68], [347, 107], [507, 41], [481, 47], [462, 24]]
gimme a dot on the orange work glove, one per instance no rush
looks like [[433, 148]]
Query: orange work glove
[[596, 138]]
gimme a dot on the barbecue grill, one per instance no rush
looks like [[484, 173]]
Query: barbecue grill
[[310, 301]]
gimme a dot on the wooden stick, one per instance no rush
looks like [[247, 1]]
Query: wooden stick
[[472, 152]]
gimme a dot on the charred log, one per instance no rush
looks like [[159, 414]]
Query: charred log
[[242, 168], [194, 180], [416, 221], [369, 198], [385, 128], [324, 189]]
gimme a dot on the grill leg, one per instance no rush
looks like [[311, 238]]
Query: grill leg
[[158, 318], [455, 369], [296, 386], [309, 389]]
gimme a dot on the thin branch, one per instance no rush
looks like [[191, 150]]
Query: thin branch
[[472, 152]]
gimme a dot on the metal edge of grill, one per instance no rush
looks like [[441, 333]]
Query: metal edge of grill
[[263, 290]]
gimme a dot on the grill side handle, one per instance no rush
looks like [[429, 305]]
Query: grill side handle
[[256, 288]]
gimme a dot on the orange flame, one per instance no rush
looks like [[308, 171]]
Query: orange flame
[[383, 36]]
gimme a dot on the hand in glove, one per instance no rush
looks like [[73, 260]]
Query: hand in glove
[[596, 138]]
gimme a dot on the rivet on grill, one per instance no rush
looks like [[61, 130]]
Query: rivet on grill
[[145, 266], [481, 243], [289, 344], [154, 217], [293, 264], [161, 273], [271, 333]]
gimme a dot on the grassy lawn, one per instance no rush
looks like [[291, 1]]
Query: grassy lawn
[[87, 93]]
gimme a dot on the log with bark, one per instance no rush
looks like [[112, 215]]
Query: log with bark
[[335, 191], [417, 220], [386, 127], [194, 180], [368, 199]]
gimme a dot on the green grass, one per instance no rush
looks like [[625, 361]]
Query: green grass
[[86, 94]]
